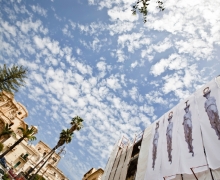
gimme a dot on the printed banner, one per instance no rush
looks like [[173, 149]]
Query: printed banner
[[170, 148], [155, 155], [115, 165], [111, 161], [144, 153], [121, 163], [126, 163], [208, 103], [189, 138]]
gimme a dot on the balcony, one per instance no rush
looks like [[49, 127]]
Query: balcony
[[24, 157]]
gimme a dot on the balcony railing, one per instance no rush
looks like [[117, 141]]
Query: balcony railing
[[24, 157]]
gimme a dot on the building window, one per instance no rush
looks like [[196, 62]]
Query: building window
[[55, 160], [25, 156], [19, 113], [17, 164]]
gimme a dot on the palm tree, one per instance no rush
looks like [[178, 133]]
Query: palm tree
[[27, 133], [1, 147], [76, 123], [12, 78], [6, 131], [142, 5], [65, 137]]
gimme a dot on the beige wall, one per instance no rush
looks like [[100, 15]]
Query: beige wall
[[14, 113], [11, 112], [93, 174]]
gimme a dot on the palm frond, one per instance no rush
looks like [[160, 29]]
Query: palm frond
[[66, 136], [7, 130], [12, 78], [27, 133], [77, 123], [32, 138]]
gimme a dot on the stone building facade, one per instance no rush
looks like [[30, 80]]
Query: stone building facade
[[25, 156], [93, 174]]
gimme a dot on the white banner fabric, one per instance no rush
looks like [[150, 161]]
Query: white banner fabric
[[205, 175], [143, 154], [216, 173], [121, 163], [170, 149], [155, 155], [208, 102], [189, 137], [110, 163], [115, 166], [125, 165]]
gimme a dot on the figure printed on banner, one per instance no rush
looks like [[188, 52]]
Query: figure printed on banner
[[187, 125], [169, 136], [155, 143], [212, 111]]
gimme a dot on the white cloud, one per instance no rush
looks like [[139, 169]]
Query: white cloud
[[133, 41], [156, 97], [122, 14], [174, 62], [101, 66], [84, 69], [133, 93], [41, 11], [29, 65], [8, 28], [96, 44], [27, 25], [170, 80], [66, 31], [162, 46], [120, 55], [134, 64], [78, 51], [113, 83], [52, 45], [119, 27]]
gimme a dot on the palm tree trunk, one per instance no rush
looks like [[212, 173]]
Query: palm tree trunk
[[12, 147], [40, 162], [73, 128], [32, 177]]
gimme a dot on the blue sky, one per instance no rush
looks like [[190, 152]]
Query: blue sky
[[94, 59]]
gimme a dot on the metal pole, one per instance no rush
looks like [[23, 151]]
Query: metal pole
[[211, 173], [194, 173], [182, 176], [206, 156]]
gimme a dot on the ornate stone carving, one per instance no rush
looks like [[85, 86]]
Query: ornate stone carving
[[3, 99], [12, 114]]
